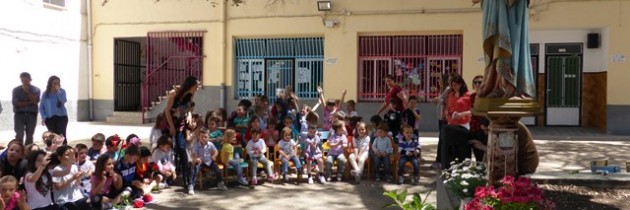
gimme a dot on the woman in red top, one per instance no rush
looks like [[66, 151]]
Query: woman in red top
[[455, 133]]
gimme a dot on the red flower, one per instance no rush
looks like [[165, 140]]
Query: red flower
[[138, 204]]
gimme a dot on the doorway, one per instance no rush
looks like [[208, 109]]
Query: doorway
[[127, 75], [563, 84]]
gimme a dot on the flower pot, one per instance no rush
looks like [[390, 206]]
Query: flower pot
[[463, 202]]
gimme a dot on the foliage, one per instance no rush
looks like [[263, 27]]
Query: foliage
[[416, 203], [125, 200], [463, 178], [519, 194]]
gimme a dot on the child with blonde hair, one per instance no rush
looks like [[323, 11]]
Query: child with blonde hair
[[11, 199], [288, 149], [361, 143], [312, 152], [338, 142], [230, 157], [256, 150]]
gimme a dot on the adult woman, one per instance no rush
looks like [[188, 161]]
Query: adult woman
[[178, 111], [52, 107], [14, 162], [398, 97], [455, 133], [478, 124]]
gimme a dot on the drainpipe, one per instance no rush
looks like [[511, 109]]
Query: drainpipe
[[88, 6], [225, 58]]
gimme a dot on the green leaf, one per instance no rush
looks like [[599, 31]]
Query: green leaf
[[390, 205], [417, 201], [391, 194], [402, 196]]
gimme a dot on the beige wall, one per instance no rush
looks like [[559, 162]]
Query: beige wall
[[301, 18]]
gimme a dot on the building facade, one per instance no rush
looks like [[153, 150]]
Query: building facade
[[142, 48]]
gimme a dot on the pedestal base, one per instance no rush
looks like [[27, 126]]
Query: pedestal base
[[503, 143]]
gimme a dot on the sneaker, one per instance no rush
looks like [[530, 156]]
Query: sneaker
[[328, 179], [162, 186], [310, 180], [401, 179], [221, 186], [191, 190], [148, 198], [416, 180], [272, 177], [338, 178], [254, 181], [322, 179], [242, 181], [285, 177]]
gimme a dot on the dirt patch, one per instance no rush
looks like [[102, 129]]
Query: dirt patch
[[582, 197]]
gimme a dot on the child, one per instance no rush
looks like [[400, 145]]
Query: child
[[272, 134], [311, 118], [411, 115], [185, 148], [361, 143], [215, 134], [256, 149], [12, 200], [331, 107], [241, 123], [262, 115], [350, 109], [146, 174], [126, 168], [288, 123], [164, 158], [205, 156], [392, 118], [409, 150], [87, 167], [376, 123], [97, 146], [254, 123], [67, 188], [107, 185], [52, 142], [287, 149], [338, 143], [221, 113], [38, 181], [312, 152], [382, 147], [156, 131], [112, 147], [29, 148], [229, 157]]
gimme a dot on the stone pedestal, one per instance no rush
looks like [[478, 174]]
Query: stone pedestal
[[504, 114]]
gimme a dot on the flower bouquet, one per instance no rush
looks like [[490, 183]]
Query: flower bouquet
[[519, 194], [464, 177]]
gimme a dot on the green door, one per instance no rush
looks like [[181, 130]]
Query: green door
[[563, 96]]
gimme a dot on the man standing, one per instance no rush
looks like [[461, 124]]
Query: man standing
[[25, 99]]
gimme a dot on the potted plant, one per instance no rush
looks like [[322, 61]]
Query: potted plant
[[462, 178], [520, 194], [416, 202]]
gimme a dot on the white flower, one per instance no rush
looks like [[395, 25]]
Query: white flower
[[464, 183], [465, 190]]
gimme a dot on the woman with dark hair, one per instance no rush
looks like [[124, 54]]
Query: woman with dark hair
[[478, 124], [455, 133], [52, 107], [67, 187], [397, 98], [38, 182], [178, 113]]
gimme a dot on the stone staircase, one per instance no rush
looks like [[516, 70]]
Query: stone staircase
[[134, 118]]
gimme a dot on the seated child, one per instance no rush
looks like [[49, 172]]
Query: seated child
[[126, 167], [382, 148], [409, 150], [205, 156], [107, 185], [146, 174], [11, 199], [97, 147], [288, 149], [164, 158], [272, 134], [215, 134], [338, 142], [112, 147], [86, 166], [361, 143], [230, 157], [312, 152], [256, 149]]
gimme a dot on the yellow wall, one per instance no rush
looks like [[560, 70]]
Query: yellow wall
[[356, 18]]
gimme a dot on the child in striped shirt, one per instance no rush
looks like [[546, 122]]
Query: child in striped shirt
[[409, 150]]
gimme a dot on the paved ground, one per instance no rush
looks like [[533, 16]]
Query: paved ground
[[556, 156]]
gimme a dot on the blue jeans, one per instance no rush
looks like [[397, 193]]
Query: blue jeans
[[180, 152], [296, 162], [386, 164], [341, 164], [213, 166], [405, 159]]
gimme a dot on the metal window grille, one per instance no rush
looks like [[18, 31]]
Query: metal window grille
[[419, 64], [262, 66]]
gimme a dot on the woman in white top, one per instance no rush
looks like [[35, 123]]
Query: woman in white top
[[67, 188], [361, 143], [38, 182]]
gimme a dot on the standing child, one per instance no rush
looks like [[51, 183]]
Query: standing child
[[205, 156], [256, 149], [107, 185], [350, 109], [382, 147], [87, 167], [97, 147], [313, 152], [230, 157], [157, 131], [331, 107], [12, 200], [338, 142], [411, 115], [409, 150], [361, 143], [185, 148], [164, 158], [288, 149]]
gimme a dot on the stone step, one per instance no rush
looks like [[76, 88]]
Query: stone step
[[127, 114], [135, 120]]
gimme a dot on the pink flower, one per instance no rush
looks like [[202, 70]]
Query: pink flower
[[482, 192]]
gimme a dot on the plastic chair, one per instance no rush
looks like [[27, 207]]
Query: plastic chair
[[277, 161], [227, 167]]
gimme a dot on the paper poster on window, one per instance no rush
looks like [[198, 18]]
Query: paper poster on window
[[303, 75], [274, 75]]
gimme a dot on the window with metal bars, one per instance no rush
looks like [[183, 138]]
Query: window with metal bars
[[419, 64], [262, 66]]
